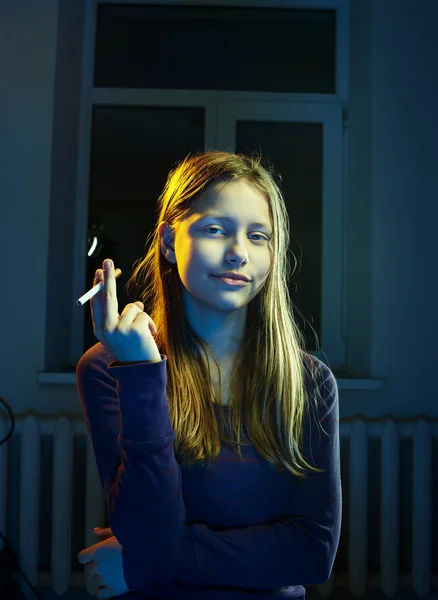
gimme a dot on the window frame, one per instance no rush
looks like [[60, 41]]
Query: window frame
[[330, 117], [333, 328]]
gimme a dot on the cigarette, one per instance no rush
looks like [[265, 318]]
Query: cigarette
[[95, 290]]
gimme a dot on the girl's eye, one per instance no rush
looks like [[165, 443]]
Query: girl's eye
[[256, 234]]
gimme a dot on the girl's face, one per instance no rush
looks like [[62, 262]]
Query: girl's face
[[205, 246]]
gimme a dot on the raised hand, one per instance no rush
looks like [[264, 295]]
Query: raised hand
[[126, 337]]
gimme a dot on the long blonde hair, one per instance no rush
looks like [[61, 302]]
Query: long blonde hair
[[270, 371]]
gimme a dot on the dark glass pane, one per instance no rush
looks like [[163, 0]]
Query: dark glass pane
[[295, 151], [216, 48], [132, 152]]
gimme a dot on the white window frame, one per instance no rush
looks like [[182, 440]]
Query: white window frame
[[325, 108], [330, 117]]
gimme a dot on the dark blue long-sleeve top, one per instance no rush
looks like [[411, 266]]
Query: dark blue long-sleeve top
[[235, 533]]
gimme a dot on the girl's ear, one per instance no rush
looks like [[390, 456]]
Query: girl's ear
[[167, 241]]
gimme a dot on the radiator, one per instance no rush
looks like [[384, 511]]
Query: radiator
[[355, 576]]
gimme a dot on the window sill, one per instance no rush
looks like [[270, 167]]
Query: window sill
[[349, 383]]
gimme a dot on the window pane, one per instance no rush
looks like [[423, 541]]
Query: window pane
[[295, 151], [215, 48], [132, 152]]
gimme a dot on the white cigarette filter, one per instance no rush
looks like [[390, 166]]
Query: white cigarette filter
[[95, 290]]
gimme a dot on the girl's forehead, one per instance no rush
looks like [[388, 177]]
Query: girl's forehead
[[231, 186], [225, 194]]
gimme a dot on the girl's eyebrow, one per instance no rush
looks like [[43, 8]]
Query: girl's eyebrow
[[222, 218]]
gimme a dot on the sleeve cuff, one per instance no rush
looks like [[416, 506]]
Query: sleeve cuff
[[140, 572]]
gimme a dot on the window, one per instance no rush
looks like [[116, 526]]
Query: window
[[259, 78], [215, 48], [132, 151]]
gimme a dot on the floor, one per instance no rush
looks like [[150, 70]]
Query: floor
[[310, 595]]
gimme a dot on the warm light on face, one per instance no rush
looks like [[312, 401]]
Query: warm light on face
[[228, 230]]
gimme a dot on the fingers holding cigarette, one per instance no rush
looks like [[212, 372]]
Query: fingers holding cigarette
[[95, 290]]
